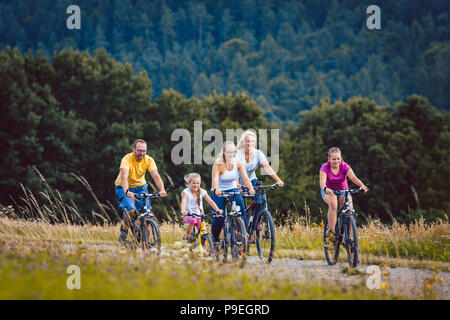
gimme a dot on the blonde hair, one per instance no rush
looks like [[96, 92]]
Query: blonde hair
[[334, 150], [241, 143], [221, 163], [188, 179]]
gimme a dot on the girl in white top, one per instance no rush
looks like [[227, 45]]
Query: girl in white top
[[192, 202], [252, 158]]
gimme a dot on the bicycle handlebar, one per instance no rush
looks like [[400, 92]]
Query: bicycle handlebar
[[205, 215], [228, 194], [271, 187], [151, 195], [351, 191]]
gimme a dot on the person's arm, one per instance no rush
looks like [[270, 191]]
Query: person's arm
[[213, 204], [124, 182], [323, 182], [356, 181], [183, 204], [215, 179], [237, 183], [159, 183], [245, 177], [272, 173]]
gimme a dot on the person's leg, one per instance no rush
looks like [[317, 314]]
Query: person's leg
[[128, 209], [189, 227], [217, 223], [331, 201]]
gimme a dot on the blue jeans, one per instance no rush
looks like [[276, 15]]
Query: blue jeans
[[217, 223], [127, 203]]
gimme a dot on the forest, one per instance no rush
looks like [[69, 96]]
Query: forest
[[73, 101], [286, 54], [79, 115]]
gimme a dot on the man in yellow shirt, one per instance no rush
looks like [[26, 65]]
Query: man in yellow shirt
[[131, 180]]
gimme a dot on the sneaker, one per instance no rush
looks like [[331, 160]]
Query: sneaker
[[330, 235]]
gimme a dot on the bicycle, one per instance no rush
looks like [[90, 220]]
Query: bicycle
[[345, 221], [148, 238], [234, 232], [201, 237], [260, 227]]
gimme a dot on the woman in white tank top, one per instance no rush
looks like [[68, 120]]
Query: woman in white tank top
[[225, 172]]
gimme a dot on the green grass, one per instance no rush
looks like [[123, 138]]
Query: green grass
[[419, 244], [35, 253], [34, 256], [38, 271]]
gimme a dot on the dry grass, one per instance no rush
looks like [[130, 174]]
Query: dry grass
[[39, 240]]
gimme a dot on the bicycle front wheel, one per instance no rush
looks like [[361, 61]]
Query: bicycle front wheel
[[239, 240], [265, 236], [208, 245], [331, 246], [351, 242], [151, 236]]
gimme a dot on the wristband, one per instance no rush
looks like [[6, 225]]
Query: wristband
[[127, 191], [325, 189]]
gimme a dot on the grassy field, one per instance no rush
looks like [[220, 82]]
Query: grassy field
[[35, 255]]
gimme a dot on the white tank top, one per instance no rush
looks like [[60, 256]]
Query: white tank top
[[191, 202], [228, 179]]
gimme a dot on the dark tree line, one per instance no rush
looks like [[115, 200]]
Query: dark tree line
[[286, 54], [79, 114]]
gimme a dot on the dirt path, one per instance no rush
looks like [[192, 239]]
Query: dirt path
[[406, 282]]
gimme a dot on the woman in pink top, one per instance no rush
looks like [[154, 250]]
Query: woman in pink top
[[333, 176]]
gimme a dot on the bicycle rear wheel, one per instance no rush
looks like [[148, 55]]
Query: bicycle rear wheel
[[136, 236], [330, 247], [239, 240], [151, 238], [351, 242], [265, 236]]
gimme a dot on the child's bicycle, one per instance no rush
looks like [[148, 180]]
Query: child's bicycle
[[344, 223], [201, 237], [144, 227]]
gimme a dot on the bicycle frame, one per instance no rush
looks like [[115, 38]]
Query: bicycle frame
[[200, 233], [258, 204], [232, 219], [141, 215], [346, 212]]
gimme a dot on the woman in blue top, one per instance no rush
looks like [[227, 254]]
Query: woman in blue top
[[225, 172], [252, 158]]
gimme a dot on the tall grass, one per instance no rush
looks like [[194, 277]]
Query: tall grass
[[39, 240]]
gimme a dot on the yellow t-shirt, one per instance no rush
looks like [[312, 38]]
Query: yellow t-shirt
[[136, 173]]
